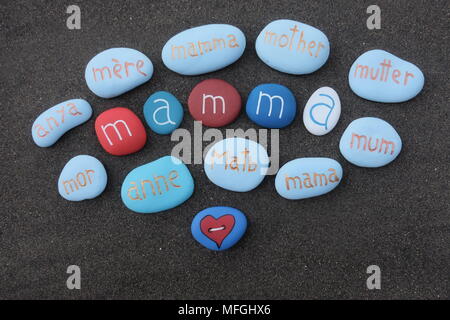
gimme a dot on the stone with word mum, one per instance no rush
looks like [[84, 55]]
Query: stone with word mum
[[322, 111], [163, 112]]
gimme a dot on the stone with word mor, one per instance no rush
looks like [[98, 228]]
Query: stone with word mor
[[322, 111], [292, 47], [308, 177], [120, 131], [83, 177], [117, 70], [157, 186], [380, 76], [219, 228], [163, 112], [236, 164], [215, 102], [370, 142], [203, 49], [50, 125], [271, 106]]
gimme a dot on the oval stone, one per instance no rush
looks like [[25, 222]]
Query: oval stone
[[370, 142], [380, 76], [117, 70], [322, 111], [292, 47], [157, 186], [236, 164], [50, 125], [203, 49], [163, 112], [83, 177], [219, 228], [308, 177]]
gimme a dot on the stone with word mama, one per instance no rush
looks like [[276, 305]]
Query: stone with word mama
[[380, 76], [370, 142], [163, 112], [271, 106], [236, 164], [83, 177], [157, 186], [117, 70], [292, 47], [322, 111], [308, 177], [203, 49], [50, 125]]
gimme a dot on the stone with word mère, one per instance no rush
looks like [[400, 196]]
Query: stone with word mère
[[271, 106], [215, 102], [163, 112], [203, 49], [322, 111], [117, 70], [219, 228], [370, 142], [120, 131], [236, 164], [292, 47], [50, 125], [157, 186], [378, 75], [83, 177], [307, 177]]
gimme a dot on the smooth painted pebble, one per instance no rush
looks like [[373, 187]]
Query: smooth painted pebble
[[322, 111], [163, 112]]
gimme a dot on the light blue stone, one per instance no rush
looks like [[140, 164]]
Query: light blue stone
[[292, 47], [271, 106], [83, 177], [157, 186], [380, 76], [203, 49], [370, 142], [308, 177], [117, 70], [50, 125], [163, 112]]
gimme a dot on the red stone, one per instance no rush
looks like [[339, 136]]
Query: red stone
[[202, 98]]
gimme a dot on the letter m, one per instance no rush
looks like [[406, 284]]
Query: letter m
[[114, 125], [271, 98], [364, 71], [359, 137], [294, 182], [70, 183], [214, 100], [387, 143]]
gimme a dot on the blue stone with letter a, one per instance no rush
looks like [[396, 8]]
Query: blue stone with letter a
[[163, 112]]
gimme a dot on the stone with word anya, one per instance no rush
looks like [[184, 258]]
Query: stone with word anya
[[157, 186], [117, 70], [163, 112], [83, 177], [120, 131], [271, 106], [203, 49], [380, 76], [236, 164], [215, 102], [370, 142], [322, 111], [219, 228], [50, 125], [292, 47]]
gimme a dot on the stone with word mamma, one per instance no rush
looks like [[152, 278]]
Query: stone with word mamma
[[380, 76], [271, 106], [50, 125], [215, 102], [219, 228], [322, 111], [117, 70], [236, 164], [292, 47], [370, 142], [163, 112], [83, 177], [157, 186], [120, 131], [203, 49], [308, 177]]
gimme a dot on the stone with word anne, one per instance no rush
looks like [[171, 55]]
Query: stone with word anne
[[163, 112], [322, 111]]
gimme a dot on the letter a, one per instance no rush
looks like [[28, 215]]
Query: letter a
[[374, 281], [74, 21], [166, 106], [74, 281], [374, 21], [325, 123]]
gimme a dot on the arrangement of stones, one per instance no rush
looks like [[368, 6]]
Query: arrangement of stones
[[235, 164]]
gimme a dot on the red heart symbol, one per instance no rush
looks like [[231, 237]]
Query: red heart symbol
[[217, 229]]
